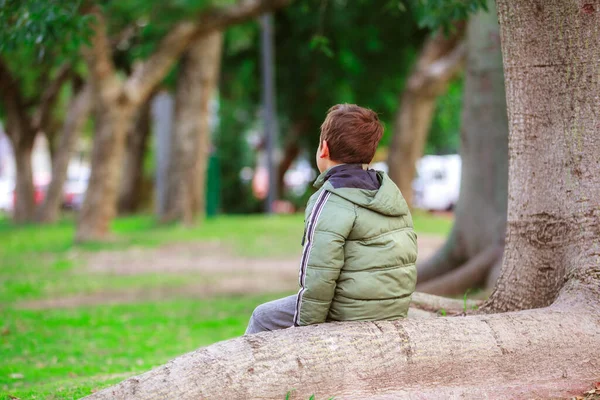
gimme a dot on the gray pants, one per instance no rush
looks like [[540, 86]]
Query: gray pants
[[276, 314]]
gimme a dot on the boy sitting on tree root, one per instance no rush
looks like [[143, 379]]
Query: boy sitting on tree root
[[359, 245]]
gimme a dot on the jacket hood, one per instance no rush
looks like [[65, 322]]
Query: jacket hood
[[370, 189]]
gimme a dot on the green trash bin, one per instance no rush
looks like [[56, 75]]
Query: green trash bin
[[213, 185]]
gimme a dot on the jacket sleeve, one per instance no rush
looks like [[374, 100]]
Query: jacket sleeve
[[327, 228]]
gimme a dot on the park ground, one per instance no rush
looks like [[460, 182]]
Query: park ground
[[75, 319]]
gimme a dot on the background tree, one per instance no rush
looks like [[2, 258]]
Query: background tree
[[37, 38], [472, 253], [77, 114], [190, 145], [116, 101], [551, 261], [440, 60]]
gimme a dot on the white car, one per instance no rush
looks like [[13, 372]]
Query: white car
[[7, 189], [437, 184]]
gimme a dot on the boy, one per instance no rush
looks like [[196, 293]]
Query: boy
[[360, 249]]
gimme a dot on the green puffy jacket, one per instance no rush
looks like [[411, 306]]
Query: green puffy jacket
[[360, 249]]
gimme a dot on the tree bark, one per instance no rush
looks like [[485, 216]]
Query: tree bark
[[440, 60], [77, 114], [130, 196], [551, 68], [116, 101], [480, 214], [190, 142]]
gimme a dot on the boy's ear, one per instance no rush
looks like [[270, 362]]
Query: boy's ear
[[324, 150]]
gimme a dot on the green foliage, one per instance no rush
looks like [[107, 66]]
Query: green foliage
[[55, 27], [239, 103], [444, 134], [354, 52], [434, 14]]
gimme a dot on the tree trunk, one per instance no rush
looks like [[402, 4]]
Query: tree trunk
[[130, 196], [21, 133], [24, 189], [551, 66], [439, 61], [552, 84], [77, 115], [290, 153], [99, 206], [196, 83], [480, 214]]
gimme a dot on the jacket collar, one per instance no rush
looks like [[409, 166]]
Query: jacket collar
[[340, 168]]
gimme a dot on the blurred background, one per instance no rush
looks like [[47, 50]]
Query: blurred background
[[156, 158]]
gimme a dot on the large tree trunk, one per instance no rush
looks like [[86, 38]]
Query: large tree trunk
[[551, 68], [116, 101], [77, 114], [475, 244], [440, 60], [190, 144], [130, 196], [552, 85]]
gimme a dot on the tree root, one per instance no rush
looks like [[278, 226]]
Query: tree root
[[498, 356], [467, 276], [438, 304], [448, 257]]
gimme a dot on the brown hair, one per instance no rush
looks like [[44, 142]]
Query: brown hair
[[352, 133]]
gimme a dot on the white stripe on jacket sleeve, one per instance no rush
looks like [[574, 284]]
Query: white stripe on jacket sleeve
[[310, 233]]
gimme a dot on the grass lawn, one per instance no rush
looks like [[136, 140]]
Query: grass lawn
[[69, 352]]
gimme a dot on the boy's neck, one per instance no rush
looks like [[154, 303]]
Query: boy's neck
[[330, 164]]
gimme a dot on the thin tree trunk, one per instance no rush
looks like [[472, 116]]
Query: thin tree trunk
[[551, 67], [439, 62], [196, 83], [480, 214], [130, 196], [24, 188], [77, 114], [290, 153]]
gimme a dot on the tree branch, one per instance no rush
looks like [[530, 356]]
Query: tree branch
[[148, 74], [99, 59], [48, 98]]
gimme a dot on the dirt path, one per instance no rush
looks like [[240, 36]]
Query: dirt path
[[212, 267]]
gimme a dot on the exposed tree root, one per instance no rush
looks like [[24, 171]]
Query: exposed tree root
[[528, 354], [469, 275], [435, 304], [448, 257]]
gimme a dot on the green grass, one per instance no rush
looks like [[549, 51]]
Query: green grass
[[81, 349], [67, 353]]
